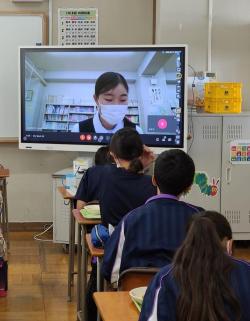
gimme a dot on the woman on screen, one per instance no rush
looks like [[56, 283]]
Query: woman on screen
[[111, 97]]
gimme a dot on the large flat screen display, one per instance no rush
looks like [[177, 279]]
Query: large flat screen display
[[76, 98]]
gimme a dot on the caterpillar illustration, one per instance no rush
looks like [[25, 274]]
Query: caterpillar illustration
[[201, 179]]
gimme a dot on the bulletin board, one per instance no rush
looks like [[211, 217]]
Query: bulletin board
[[16, 29]]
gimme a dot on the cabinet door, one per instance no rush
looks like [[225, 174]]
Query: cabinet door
[[205, 149], [61, 214], [235, 195]]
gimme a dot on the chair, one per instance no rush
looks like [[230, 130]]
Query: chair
[[136, 277]]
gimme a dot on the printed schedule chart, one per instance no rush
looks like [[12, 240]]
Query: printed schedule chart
[[77, 27]]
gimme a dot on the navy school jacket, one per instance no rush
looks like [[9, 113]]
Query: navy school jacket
[[117, 189], [148, 236], [159, 303]]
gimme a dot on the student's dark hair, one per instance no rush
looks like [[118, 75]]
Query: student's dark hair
[[221, 224], [174, 172], [108, 81], [102, 156], [201, 269], [126, 144]]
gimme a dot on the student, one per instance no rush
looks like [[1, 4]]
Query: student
[[119, 188], [102, 156], [150, 234], [111, 98], [122, 186], [203, 283]]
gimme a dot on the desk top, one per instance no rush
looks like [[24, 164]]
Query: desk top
[[85, 221], [114, 306], [4, 172], [62, 173], [94, 251]]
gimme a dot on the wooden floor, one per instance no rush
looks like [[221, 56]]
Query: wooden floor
[[38, 281]]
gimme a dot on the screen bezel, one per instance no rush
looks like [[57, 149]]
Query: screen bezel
[[86, 147]]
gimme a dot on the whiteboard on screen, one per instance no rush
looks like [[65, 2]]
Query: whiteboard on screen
[[16, 29]]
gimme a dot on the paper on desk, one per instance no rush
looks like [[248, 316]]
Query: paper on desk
[[137, 304], [91, 211]]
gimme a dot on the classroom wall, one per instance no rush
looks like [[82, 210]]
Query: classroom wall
[[30, 184], [179, 21], [7, 5], [120, 21]]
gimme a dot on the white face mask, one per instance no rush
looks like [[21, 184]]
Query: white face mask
[[113, 114]]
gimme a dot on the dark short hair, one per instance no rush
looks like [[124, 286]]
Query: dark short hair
[[108, 81], [126, 144], [102, 156], [174, 171]]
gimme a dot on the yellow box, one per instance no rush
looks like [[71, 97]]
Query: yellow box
[[223, 90], [223, 105]]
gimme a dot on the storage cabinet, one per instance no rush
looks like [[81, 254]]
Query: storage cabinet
[[210, 149], [61, 209], [205, 149], [235, 192]]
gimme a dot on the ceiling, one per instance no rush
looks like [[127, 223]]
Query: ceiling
[[87, 61]]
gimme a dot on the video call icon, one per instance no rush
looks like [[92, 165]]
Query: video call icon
[[88, 137], [162, 123], [82, 137]]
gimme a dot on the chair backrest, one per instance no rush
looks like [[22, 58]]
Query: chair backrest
[[135, 277]]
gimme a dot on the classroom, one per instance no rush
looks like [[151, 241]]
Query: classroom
[[165, 85]]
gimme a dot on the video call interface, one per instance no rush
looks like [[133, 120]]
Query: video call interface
[[58, 87]]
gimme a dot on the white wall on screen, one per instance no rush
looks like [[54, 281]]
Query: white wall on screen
[[33, 117]]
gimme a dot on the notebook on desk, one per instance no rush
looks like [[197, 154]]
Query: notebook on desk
[[91, 211]]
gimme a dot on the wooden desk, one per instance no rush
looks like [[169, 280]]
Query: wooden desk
[[82, 223], [68, 196], [4, 221], [94, 251], [98, 253], [116, 306]]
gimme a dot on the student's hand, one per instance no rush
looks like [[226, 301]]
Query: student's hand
[[80, 204], [148, 157]]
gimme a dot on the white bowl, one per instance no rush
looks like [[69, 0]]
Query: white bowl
[[137, 294]]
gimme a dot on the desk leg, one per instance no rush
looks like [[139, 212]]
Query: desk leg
[[99, 281], [5, 214], [71, 253], [73, 234], [83, 274], [79, 265]]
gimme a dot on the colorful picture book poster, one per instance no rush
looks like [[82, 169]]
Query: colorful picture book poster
[[206, 186], [240, 152], [77, 27]]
